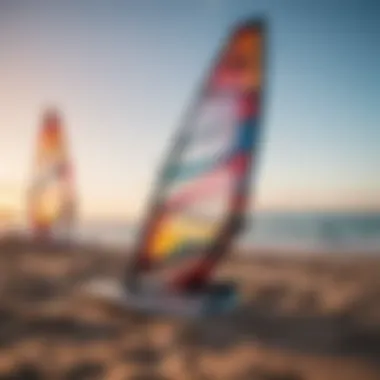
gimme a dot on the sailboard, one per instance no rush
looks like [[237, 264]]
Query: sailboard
[[199, 203], [51, 195]]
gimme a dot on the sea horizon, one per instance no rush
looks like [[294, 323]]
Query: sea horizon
[[280, 230]]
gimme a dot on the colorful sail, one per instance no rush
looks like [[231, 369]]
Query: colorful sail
[[202, 192], [51, 195]]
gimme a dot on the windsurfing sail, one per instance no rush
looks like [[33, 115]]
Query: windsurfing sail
[[51, 196], [202, 193]]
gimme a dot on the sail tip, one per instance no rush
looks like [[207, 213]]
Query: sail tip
[[257, 22], [51, 119], [51, 112]]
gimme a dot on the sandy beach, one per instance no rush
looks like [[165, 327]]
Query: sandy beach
[[311, 317]]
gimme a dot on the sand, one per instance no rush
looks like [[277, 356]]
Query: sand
[[310, 317]]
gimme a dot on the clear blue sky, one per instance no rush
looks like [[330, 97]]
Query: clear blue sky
[[122, 72]]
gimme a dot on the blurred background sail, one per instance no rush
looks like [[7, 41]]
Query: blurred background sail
[[51, 202]]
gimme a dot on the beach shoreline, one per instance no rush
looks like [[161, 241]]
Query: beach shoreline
[[308, 317]]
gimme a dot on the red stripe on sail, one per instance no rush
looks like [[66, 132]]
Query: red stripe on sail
[[249, 105]]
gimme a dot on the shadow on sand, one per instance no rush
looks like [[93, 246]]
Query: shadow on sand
[[337, 334]]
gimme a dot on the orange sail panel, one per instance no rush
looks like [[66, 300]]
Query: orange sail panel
[[201, 198], [51, 194]]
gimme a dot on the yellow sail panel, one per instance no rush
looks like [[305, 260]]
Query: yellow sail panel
[[46, 208], [175, 231], [50, 202]]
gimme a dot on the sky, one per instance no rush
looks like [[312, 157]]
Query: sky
[[123, 72]]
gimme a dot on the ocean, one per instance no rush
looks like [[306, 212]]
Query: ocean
[[303, 232]]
